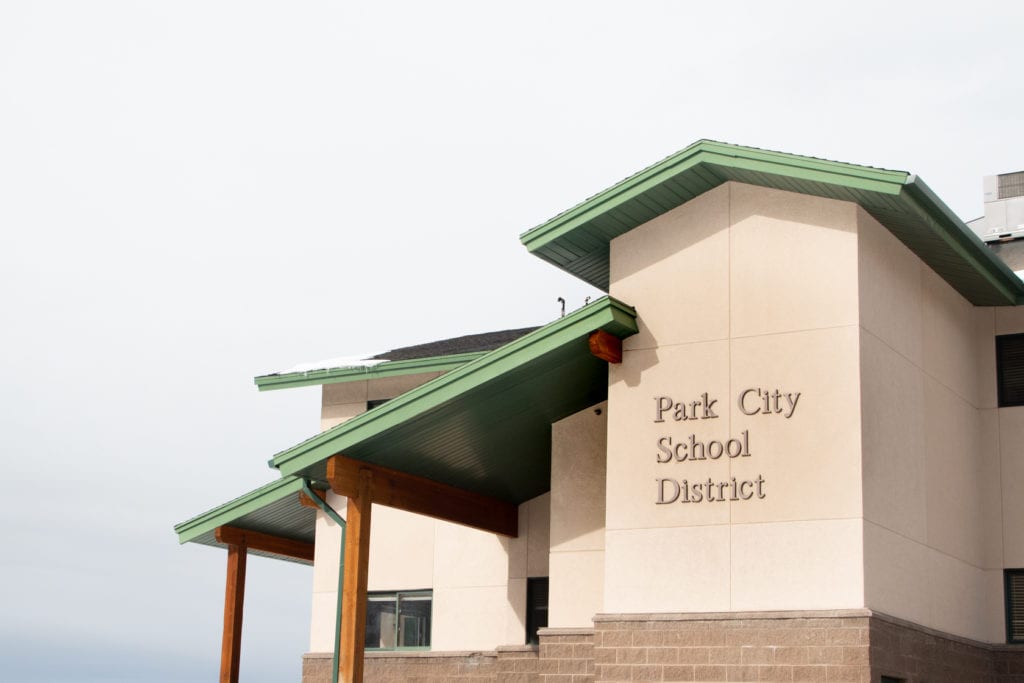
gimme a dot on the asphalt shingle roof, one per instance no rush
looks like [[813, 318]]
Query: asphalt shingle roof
[[470, 343]]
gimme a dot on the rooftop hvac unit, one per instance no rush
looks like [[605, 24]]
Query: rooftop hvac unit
[[1004, 208]]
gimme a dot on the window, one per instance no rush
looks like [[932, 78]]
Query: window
[[536, 607], [1013, 581], [373, 403], [398, 620], [1010, 369]]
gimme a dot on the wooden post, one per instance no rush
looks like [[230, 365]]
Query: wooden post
[[357, 563], [234, 597]]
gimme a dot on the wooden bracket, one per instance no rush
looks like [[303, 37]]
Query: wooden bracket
[[605, 346], [306, 501]]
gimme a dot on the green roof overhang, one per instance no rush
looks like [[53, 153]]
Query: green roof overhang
[[272, 509], [392, 368], [486, 426], [577, 240]]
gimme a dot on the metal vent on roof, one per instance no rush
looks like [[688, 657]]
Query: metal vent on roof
[[1011, 185]]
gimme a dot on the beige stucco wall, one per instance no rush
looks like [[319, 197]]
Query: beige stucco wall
[[932, 498], [326, 553], [345, 400], [888, 485], [576, 581], [478, 579], [1011, 456], [740, 288]]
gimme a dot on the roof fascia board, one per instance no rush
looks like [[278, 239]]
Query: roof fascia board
[[566, 221], [606, 313], [237, 508], [845, 175], [954, 232], [392, 368]]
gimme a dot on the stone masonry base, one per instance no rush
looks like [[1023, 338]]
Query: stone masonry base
[[840, 645]]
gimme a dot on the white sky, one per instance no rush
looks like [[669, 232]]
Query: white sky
[[194, 193]]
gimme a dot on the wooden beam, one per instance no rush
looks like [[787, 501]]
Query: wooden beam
[[424, 496], [234, 598], [306, 501], [255, 540], [357, 563], [606, 346]]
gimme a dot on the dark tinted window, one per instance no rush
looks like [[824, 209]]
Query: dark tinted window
[[536, 607], [1010, 369]]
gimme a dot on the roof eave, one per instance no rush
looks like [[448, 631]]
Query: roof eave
[[606, 313], [202, 524], [1008, 288], [577, 240], [709, 151]]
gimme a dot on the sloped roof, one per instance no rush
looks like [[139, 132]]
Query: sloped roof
[[436, 356], [271, 509], [486, 426], [577, 240], [470, 343]]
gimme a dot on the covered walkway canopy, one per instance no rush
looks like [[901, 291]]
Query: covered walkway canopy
[[271, 521], [271, 511], [468, 446], [486, 426]]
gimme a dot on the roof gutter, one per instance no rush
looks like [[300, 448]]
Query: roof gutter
[[330, 512]]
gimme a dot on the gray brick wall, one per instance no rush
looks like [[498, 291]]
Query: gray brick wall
[[731, 648], [839, 646], [566, 655]]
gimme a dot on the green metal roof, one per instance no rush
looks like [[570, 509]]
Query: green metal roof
[[577, 240], [486, 426], [271, 509], [392, 368]]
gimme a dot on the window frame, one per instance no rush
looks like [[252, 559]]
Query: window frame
[[397, 596]]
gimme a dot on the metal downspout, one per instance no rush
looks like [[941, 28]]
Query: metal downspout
[[330, 512]]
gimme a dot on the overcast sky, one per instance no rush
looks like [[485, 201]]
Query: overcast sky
[[194, 193]]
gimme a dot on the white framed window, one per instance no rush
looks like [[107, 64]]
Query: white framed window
[[399, 620]]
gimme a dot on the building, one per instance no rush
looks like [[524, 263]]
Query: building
[[1002, 225], [786, 446]]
